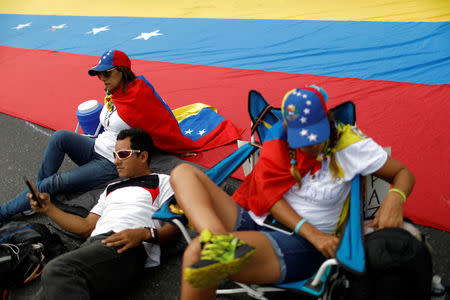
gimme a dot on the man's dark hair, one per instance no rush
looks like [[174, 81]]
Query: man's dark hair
[[139, 140]]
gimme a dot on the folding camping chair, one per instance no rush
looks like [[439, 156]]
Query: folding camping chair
[[350, 253]]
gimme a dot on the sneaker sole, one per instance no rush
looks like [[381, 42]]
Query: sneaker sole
[[209, 276]]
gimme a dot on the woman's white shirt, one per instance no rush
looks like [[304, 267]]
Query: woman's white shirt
[[106, 141], [321, 197]]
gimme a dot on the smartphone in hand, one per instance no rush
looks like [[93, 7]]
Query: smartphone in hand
[[272, 223], [33, 190]]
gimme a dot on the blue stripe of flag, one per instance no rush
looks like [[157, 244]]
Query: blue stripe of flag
[[416, 52]]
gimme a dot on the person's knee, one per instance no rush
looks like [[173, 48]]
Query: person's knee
[[192, 253], [55, 269], [59, 136], [180, 172]]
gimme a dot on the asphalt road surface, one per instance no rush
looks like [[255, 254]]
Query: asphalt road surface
[[22, 146]]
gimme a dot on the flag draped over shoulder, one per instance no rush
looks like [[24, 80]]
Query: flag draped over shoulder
[[271, 177], [142, 107]]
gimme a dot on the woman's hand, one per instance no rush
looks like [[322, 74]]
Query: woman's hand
[[390, 213], [325, 243], [285, 214]]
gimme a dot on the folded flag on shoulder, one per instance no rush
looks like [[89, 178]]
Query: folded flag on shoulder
[[196, 127]]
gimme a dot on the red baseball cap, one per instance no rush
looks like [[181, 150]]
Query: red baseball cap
[[109, 60]]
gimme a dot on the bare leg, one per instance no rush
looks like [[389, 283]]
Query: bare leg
[[205, 204], [209, 207]]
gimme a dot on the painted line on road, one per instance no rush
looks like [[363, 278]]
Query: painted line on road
[[37, 128]]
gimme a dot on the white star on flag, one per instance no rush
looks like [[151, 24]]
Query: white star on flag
[[106, 55], [56, 27], [305, 96], [97, 30], [202, 132], [306, 111], [147, 35], [189, 131], [312, 137], [303, 120], [308, 102], [303, 132], [20, 26]]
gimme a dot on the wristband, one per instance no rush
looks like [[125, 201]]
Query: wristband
[[299, 224], [154, 234], [400, 193]]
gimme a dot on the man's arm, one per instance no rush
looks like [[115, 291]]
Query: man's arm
[[130, 238], [72, 223]]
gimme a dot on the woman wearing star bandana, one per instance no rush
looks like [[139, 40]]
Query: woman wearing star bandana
[[301, 179]]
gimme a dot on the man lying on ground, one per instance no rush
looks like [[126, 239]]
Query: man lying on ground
[[122, 236]]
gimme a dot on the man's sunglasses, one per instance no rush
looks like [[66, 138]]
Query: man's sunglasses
[[106, 73], [124, 154]]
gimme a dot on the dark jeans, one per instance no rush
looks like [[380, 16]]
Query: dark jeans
[[93, 170], [91, 271]]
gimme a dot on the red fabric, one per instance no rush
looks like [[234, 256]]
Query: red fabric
[[139, 107], [410, 118], [271, 177], [121, 59]]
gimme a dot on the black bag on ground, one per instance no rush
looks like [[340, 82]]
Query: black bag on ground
[[398, 266], [24, 250]]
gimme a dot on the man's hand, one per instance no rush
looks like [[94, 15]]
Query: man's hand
[[390, 213], [325, 243], [45, 202], [127, 238]]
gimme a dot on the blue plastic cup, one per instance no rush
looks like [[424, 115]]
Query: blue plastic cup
[[88, 114]]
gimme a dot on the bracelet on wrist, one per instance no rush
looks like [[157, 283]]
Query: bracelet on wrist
[[299, 224], [399, 192], [153, 233]]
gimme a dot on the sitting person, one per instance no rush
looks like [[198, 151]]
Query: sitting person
[[302, 179], [123, 237], [130, 102], [92, 155]]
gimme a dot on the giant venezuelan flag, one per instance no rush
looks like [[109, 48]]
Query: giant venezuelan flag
[[392, 58]]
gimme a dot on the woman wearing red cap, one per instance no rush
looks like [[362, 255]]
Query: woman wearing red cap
[[93, 156], [130, 102], [301, 179], [124, 92]]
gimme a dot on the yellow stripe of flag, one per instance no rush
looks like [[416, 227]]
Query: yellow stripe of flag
[[342, 10]]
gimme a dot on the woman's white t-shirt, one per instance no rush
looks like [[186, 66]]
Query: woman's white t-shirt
[[321, 198], [106, 141]]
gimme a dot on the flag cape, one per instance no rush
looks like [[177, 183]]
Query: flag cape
[[391, 58], [271, 178], [142, 107]]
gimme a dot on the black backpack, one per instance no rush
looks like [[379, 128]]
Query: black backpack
[[24, 250], [398, 266]]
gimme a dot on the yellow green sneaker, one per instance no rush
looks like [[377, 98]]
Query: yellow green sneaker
[[222, 256]]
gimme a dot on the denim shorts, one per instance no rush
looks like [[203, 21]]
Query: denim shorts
[[298, 258]]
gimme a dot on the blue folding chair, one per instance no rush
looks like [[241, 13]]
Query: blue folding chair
[[350, 253]]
